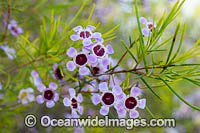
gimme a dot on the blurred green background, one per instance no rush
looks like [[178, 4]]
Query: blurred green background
[[109, 13]]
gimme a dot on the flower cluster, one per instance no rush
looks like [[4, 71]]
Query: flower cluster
[[93, 52], [92, 60]]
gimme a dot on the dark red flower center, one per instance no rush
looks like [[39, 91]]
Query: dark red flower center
[[108, 98], [74, 103], [130, 103], [58, 74], [96, 70], [150, 26], [99, 50], [85, 34], [81, 59], [14, 29], [48, 94]]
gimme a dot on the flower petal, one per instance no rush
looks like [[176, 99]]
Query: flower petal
[[110, 49], [41, 87], [84, 71], [105, 62], [96, 35], [133, 114], [87, 42], [142, 103], [143, 20], [121, 96], [34, 73], [71, 52], [70, 66], [135, 91], [80, 98], [55, 66], [66, 102], [117, 90], [72, 92], [80, 110], [74, 114], [121, 113], [77, 28], [104, 110], [145, 31], [103, 86], [56, 97], [40, 99], [30, 90], [91, 27], [96, 99], [92, 59], [74, 37], [50, 104], [53, 85]]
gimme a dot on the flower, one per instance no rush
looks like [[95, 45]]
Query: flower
[[14, 30], [35, 78], [100, 55], [80, 60], [10, 52], [74, 102], [107, 98], [26, 96], [58, 73], [149, 26], [129, 103], [48, 94], [82, 34]]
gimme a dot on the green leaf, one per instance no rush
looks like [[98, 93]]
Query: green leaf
[[181, 98], [88, 21], [129, 51], [180, 44], [141, 37], [172, 45], [151, 89]]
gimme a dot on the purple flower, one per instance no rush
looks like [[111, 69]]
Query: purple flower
[[26, 96], [48, 94], [14, 30], [57, 74], [149, 26], [82, 33], [107, 98], [10, 52], [99, 50], [35, 78], [79, 60], [74, 103], [129, 104]]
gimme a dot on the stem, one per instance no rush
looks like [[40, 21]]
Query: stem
[[7, 22]]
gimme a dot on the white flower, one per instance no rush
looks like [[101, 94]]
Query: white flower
[[26, 96]]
